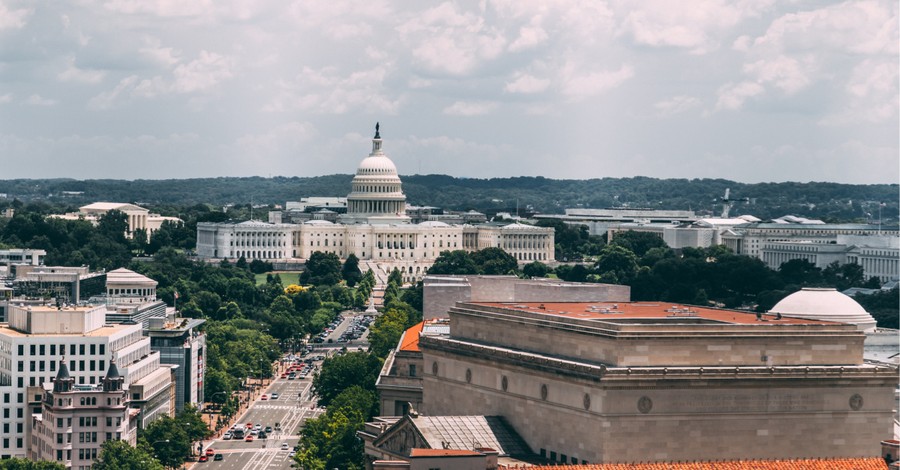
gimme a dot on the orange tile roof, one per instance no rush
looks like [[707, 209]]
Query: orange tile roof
[[442, 453], [868, 463], [410, 339], [610, 311]]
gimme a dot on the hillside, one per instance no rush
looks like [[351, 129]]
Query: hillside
[[829, 201]]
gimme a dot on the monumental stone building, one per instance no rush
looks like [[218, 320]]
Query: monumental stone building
[[596, 382], [375, 228]]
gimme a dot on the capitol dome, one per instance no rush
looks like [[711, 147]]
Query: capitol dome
[[377, 164], [825, 304], [376, 195]]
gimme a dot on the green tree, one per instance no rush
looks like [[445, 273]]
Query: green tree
[[494, 261], [638, 243], [167, 440], [350, 271], [341, 372], [453, 262], [118, 455], [322, 269], [619, 261], [536, 269]]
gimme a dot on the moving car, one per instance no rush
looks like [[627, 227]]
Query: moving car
[[227, 436], [249, 439], [274, 396], [219, 457], [203, 458], [285, 446], [264, 397], [210, 452]]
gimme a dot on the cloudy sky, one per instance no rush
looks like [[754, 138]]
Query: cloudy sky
[[749, 90]]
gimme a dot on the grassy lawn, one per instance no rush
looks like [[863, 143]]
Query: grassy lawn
[[287, 277]]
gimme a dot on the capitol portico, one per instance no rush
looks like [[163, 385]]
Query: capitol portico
[[375, 228]]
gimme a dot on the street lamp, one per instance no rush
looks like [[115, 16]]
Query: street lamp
[[211, 399]]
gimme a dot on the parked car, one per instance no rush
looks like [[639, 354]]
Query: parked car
[[227, 436], [249, 438]]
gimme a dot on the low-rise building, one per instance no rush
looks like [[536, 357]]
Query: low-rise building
[[75, 420], [138, 217]]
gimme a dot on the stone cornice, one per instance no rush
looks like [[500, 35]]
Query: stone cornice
[[601, 372]]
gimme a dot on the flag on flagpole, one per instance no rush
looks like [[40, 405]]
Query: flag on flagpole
[[176, 294]]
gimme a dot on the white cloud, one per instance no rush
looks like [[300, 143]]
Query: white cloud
[[38, 100], [446, 41], [529, 36], [676, 105], [697, 27], [202, 73], [732, 96], [6, 98], [526, 83], [13, 18], [580, 84], [288, 138], [470, 108], [74, 74], [162, 8], [328, 91], [872, 95], [787, 73]]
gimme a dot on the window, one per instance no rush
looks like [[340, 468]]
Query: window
[[412, 370], [31, 349], [93, 349], [81, 349], [21, 366], [52, 349], [41, 350], [71, 349], [21, 353]]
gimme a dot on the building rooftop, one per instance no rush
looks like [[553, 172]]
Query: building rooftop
[[862, 463], [443, 453], [612, 311], [460, 432], [410, 340]]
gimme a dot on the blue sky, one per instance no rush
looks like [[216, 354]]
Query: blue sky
[[747, 90]]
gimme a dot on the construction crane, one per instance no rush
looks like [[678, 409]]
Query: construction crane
[[727, 202]]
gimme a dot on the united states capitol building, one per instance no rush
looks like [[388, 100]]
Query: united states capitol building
[[375, 228]]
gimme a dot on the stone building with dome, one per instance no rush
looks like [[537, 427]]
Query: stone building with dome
[[824, 304], [375, 228]]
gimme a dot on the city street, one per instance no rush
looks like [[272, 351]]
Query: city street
[[292, 408]]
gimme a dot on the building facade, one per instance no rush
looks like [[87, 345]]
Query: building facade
[[35, 339], [375, 228], [75, 420], [138, 217], [651, 381], [181, 344]]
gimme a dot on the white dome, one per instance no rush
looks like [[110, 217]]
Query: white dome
[[433, 223], [824, 304], [377, 164]]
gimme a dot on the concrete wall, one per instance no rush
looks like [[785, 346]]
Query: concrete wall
[[442, 292], [660, 419]]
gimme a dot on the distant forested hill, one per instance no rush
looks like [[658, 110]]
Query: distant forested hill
[[829, 201]]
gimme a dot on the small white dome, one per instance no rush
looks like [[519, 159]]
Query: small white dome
[[433, 223], [824, 304]]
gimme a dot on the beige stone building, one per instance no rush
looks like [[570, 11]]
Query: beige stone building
[[652, 381], [138, 217], [376, 229]]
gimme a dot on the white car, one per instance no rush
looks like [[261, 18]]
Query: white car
[[227, 436], [284, 446]]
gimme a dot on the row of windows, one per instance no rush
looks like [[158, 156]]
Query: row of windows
[[40, 366], [82, 349]]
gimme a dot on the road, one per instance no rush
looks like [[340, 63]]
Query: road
[[288, 410]]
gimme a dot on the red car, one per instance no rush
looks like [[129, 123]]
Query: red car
[[204, 458], [249, 439], [210, 452], [264, 397]]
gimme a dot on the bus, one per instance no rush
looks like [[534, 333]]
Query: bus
[[239, 431]]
